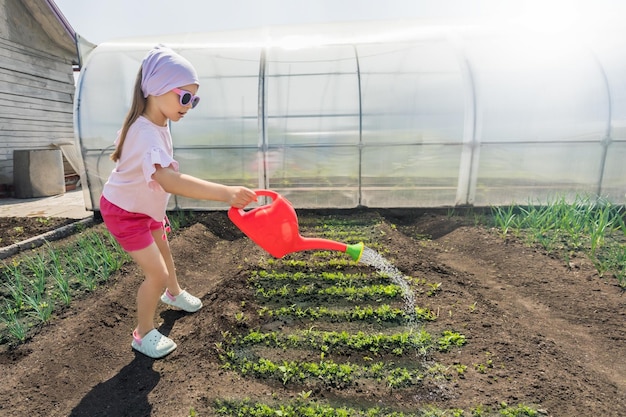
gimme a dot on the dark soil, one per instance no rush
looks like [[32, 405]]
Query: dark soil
[[553, 334], [18, 229]]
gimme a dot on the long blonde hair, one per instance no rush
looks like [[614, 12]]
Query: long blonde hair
[[137, 108]]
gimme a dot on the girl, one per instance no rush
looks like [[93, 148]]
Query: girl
[[135, 197]]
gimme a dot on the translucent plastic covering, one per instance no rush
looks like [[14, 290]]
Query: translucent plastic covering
[[407, 117]]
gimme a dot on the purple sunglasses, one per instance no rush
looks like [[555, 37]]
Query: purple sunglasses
[[186, 97]]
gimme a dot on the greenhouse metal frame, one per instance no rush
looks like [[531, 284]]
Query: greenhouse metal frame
[[386, 115]]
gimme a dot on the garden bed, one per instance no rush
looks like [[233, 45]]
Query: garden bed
[[528, 329]]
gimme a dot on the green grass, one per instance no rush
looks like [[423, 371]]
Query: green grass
[[38, 283], [593, 226]]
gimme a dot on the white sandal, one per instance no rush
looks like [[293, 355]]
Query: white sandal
[[184, 301], [153, 344]]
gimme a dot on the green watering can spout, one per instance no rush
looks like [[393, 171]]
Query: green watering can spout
[[355, 251]]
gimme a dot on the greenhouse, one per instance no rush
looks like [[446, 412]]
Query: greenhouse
[[380, 115]]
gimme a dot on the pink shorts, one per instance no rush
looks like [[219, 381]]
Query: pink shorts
[[133, 231]]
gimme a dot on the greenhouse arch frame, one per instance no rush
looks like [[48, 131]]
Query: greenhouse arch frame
[[413, 116]]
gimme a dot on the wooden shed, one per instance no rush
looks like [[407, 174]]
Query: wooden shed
[[38, 54]]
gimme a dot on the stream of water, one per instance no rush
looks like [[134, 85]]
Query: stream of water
[[383, 266]]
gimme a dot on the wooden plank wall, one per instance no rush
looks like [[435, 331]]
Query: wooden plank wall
[[36, 97]]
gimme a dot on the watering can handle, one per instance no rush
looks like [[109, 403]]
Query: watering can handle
[[267, 193], [240, 212]]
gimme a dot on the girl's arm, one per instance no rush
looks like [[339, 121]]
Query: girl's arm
[[189, 186]]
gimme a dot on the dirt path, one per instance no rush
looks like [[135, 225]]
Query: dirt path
[[573, 320], [552, 336]]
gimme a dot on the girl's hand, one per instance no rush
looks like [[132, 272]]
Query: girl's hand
[[241, 196]]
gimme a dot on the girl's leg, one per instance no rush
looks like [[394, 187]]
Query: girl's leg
[[156, 274], [164, 247], [174, 296]]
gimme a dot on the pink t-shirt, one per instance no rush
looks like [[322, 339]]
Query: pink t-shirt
[[130, 185]]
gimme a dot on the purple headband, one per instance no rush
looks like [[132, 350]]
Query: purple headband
[[163, 70]]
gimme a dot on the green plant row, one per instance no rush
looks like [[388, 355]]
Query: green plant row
[[303, 408], [330, 373], [330, 222], [594, 226], [340, 230], [335, 262], [343, 231], [273, 283], [419, 341], [331, 276], [35, 285], [369, 314], [351, 293]]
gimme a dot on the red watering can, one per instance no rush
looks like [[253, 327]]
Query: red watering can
[[274, 227]]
